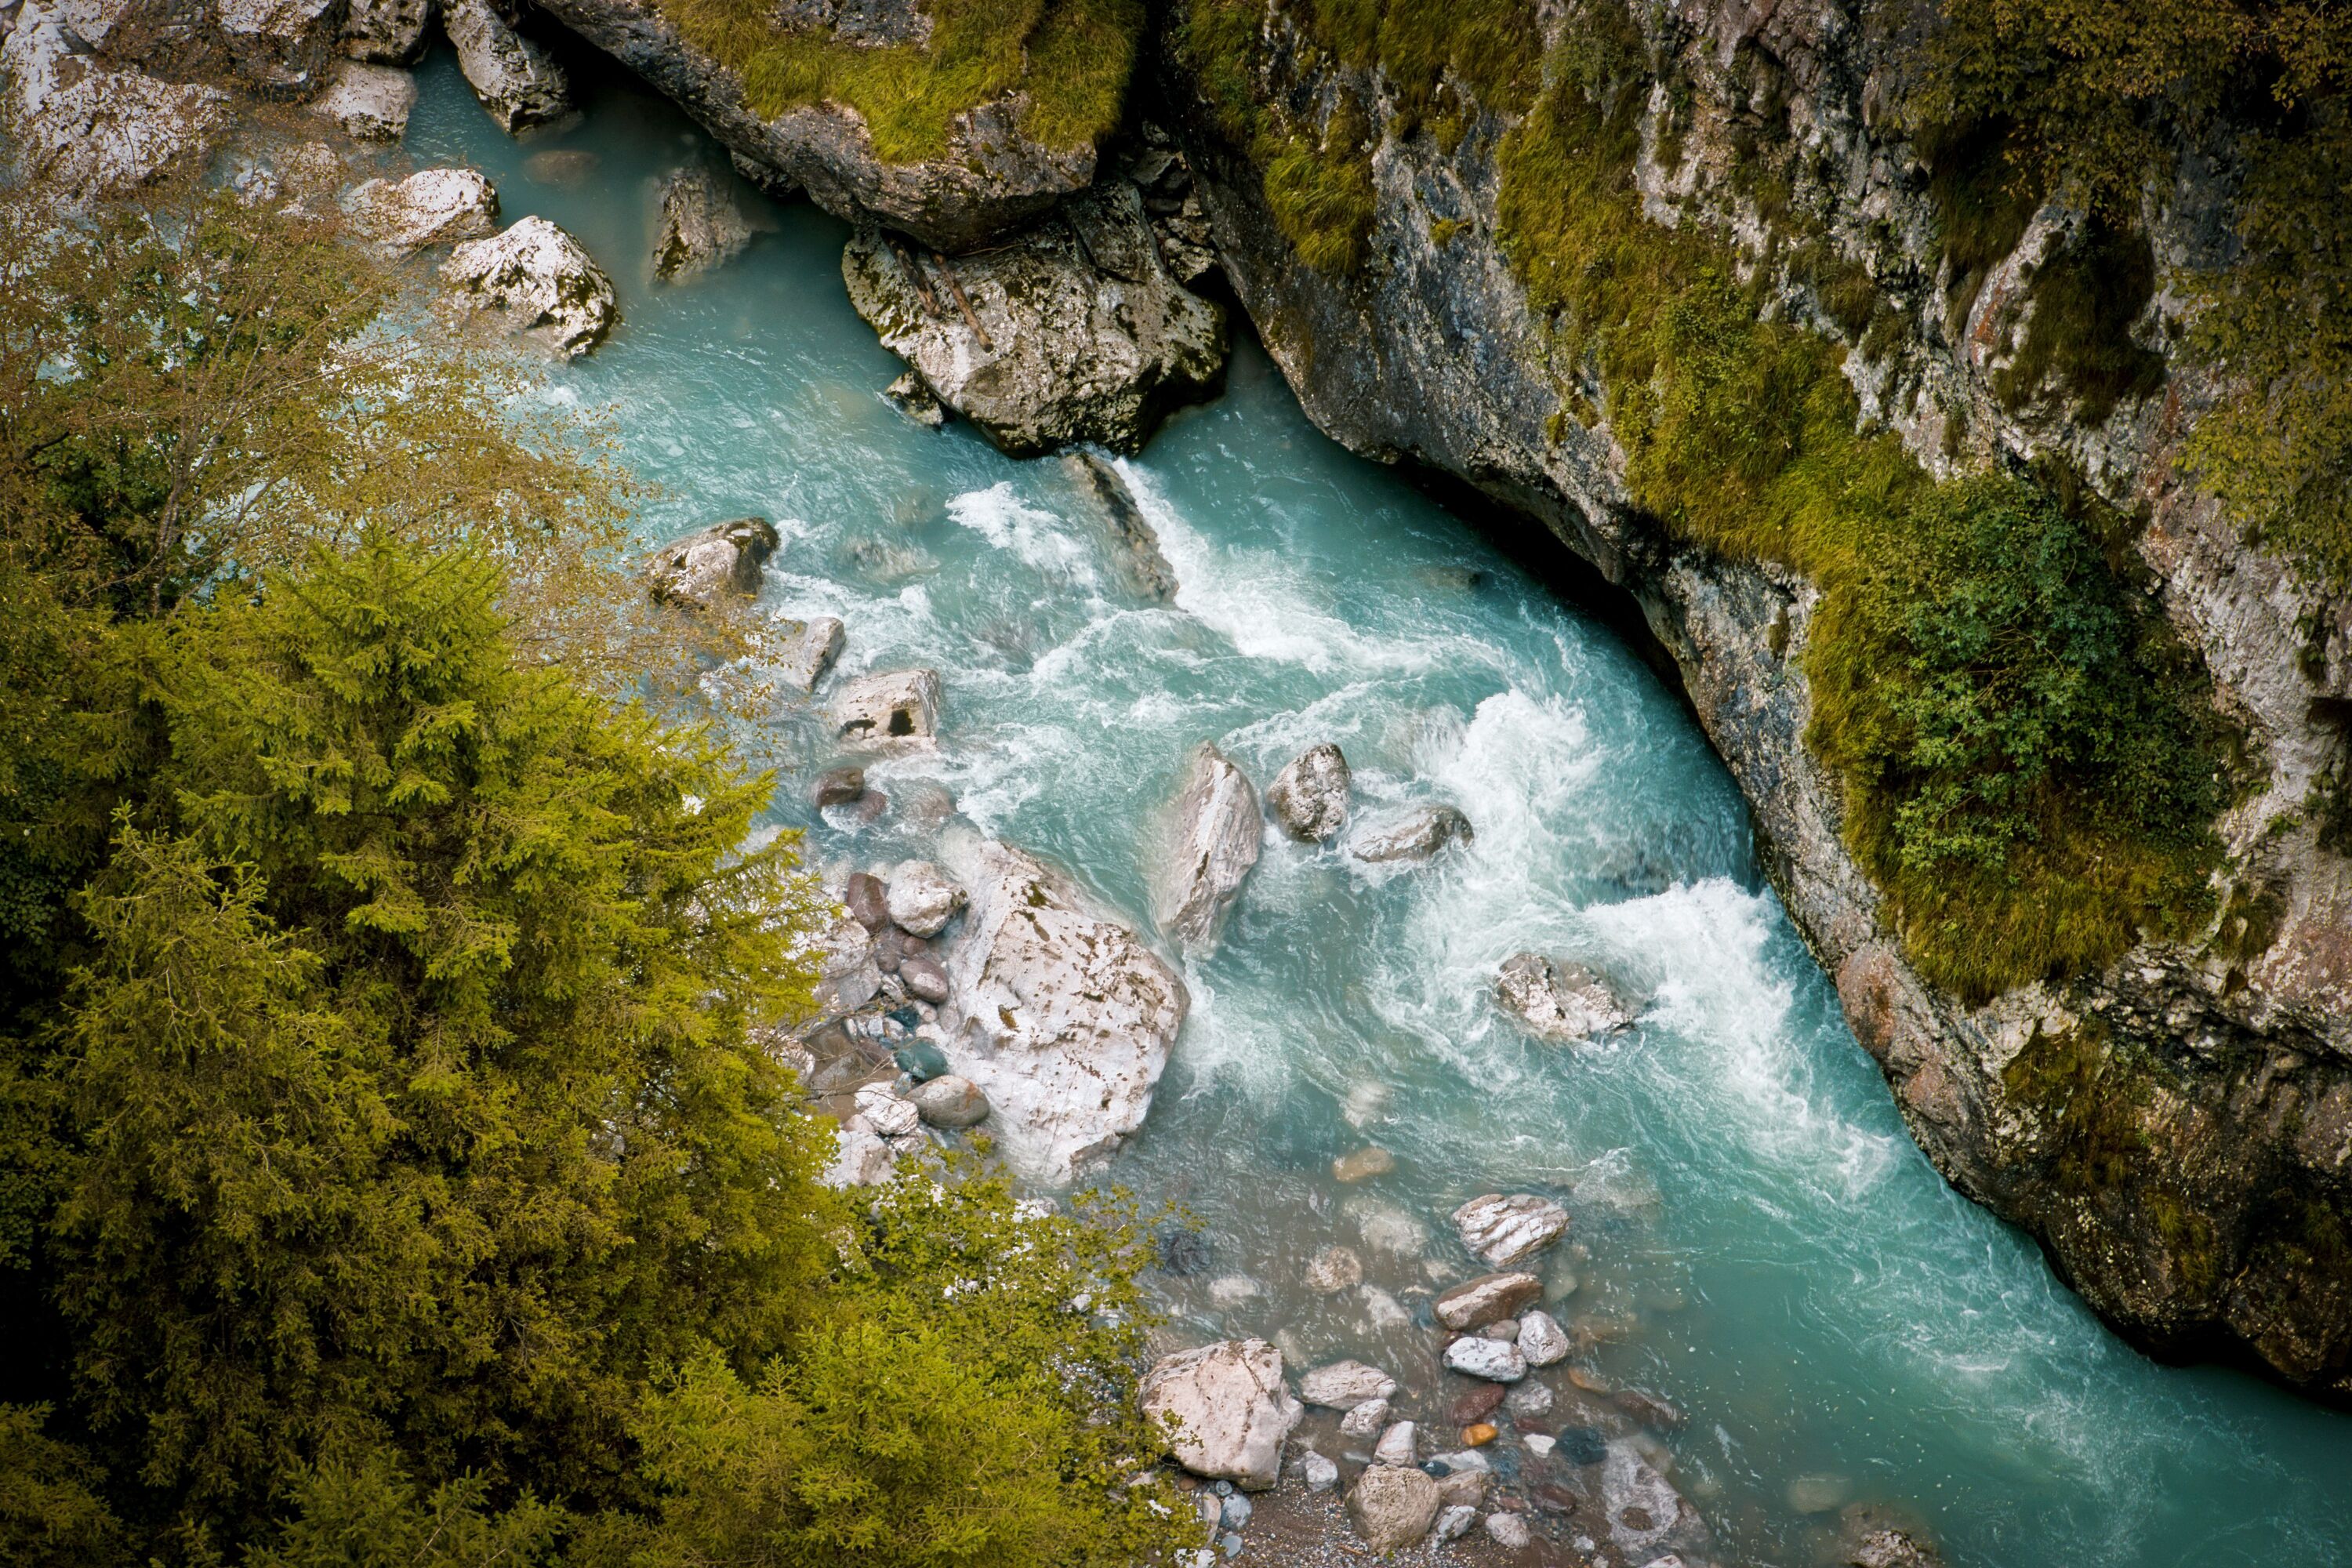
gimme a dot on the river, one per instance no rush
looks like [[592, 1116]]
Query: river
[[1756, 1238]]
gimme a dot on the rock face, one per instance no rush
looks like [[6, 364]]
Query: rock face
[[1309, 796], [1218, 829], [1231, 1407], [1413, 835], [1076, 330], [432, 206], [370, 103], [88, 127], [991, 177], [711, 566], [1430, 353], [387, 32], [1061, 1017], [897, 708], [1555, 1002], [543, 279], [700, 225], [1391, 1508], [1504, 1230], [512, 76]]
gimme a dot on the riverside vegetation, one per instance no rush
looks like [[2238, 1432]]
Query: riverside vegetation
[[391, 1169]]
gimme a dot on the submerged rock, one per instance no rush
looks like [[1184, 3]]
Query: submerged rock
[[1135, 545], [1491, 1359], [432, 206], [1309, 796], [1062, 1016], [1644, 1510], [1366, 1420], [1541, 1339], [1334, 1270], [897, 708], [1414, 835], [1218, 829], [710, 566], [368, 102], [915, 400], [1392, 1507], [387, 32], [543, 279], [1234, 1410], [515, 78], [1503, 1230], [700, 225], [1557, 1002], [1074, 331], [1344, 1384]]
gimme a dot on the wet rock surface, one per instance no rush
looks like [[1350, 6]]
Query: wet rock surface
[[516, 78], [1415, 834], [806, 651], [891, 709], [1074, 331], [388, 32], [1504, 1230], [1567, 1003], [544, 281], [700, 225], [1309, 796], [711, 566], [1217, 832]]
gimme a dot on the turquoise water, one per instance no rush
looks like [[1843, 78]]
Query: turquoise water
[[1757, 1240]]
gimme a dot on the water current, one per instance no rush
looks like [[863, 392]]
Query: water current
[[1756, 1239]]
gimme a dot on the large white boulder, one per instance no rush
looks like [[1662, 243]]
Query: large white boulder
[[1557, 1002], [368, 102], [1230, 1407], [1062, 1016], [1217, 832], [847, 974], [513, 76], [897, 708], [1504, 1229], [542, 279], [87, 130], [1309, 796], [860, 1159], [432, 206]]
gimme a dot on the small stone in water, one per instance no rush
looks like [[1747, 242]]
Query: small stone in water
[[1506, 1330], [1363, 1165], [1539, 1445], [839, 786], [1591, 1382], [1395, 1446], [924, 978], [1529, 1398], [1365, 1419], [1479, 1403], [1222, 1488], [1541, 1339], [1232, 1545], [1504, 1229], [1333, 1269], [1236, 1512], [1183, 1251], [1508, 1530], [1382, 1311], [1649, 1410], [1454, 1522], [1320, 1473], [1486, 1358], [1817, 1494], [1479, 1434], [1233, 1290], [906, 1018], [1582, 1445], [1366, 1103]]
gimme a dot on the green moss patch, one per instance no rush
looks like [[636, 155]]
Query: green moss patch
[[1069, 59]]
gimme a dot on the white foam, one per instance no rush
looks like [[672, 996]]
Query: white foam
[[1035, 536]]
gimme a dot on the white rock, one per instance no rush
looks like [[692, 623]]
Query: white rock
[[1529, 1398], [922, 900], [949, 1100], [1320, 1473], [1508, 1530], [387, 32], [1537, 1444], [847, 977], [1366, 1420], [1392, 1507], [860, 1159], [890, 1113], [1490, 1359], [1309, 796], [370, 103], [1334, 1270], [432, 206], [1395, 1446], [807, 650], [513, 76], [86, 129], [1462, 1459], [1344, 1384], [1629, 1482], [1061, 1016], [1503, 1230], [543, 279], [1487, 1297], [1557, 1003], [711, 566], [1414, 835], [700, 225], [1231, 1407], [895, 708], [1218, 828], [1541, 1339], [1453, 1521]]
